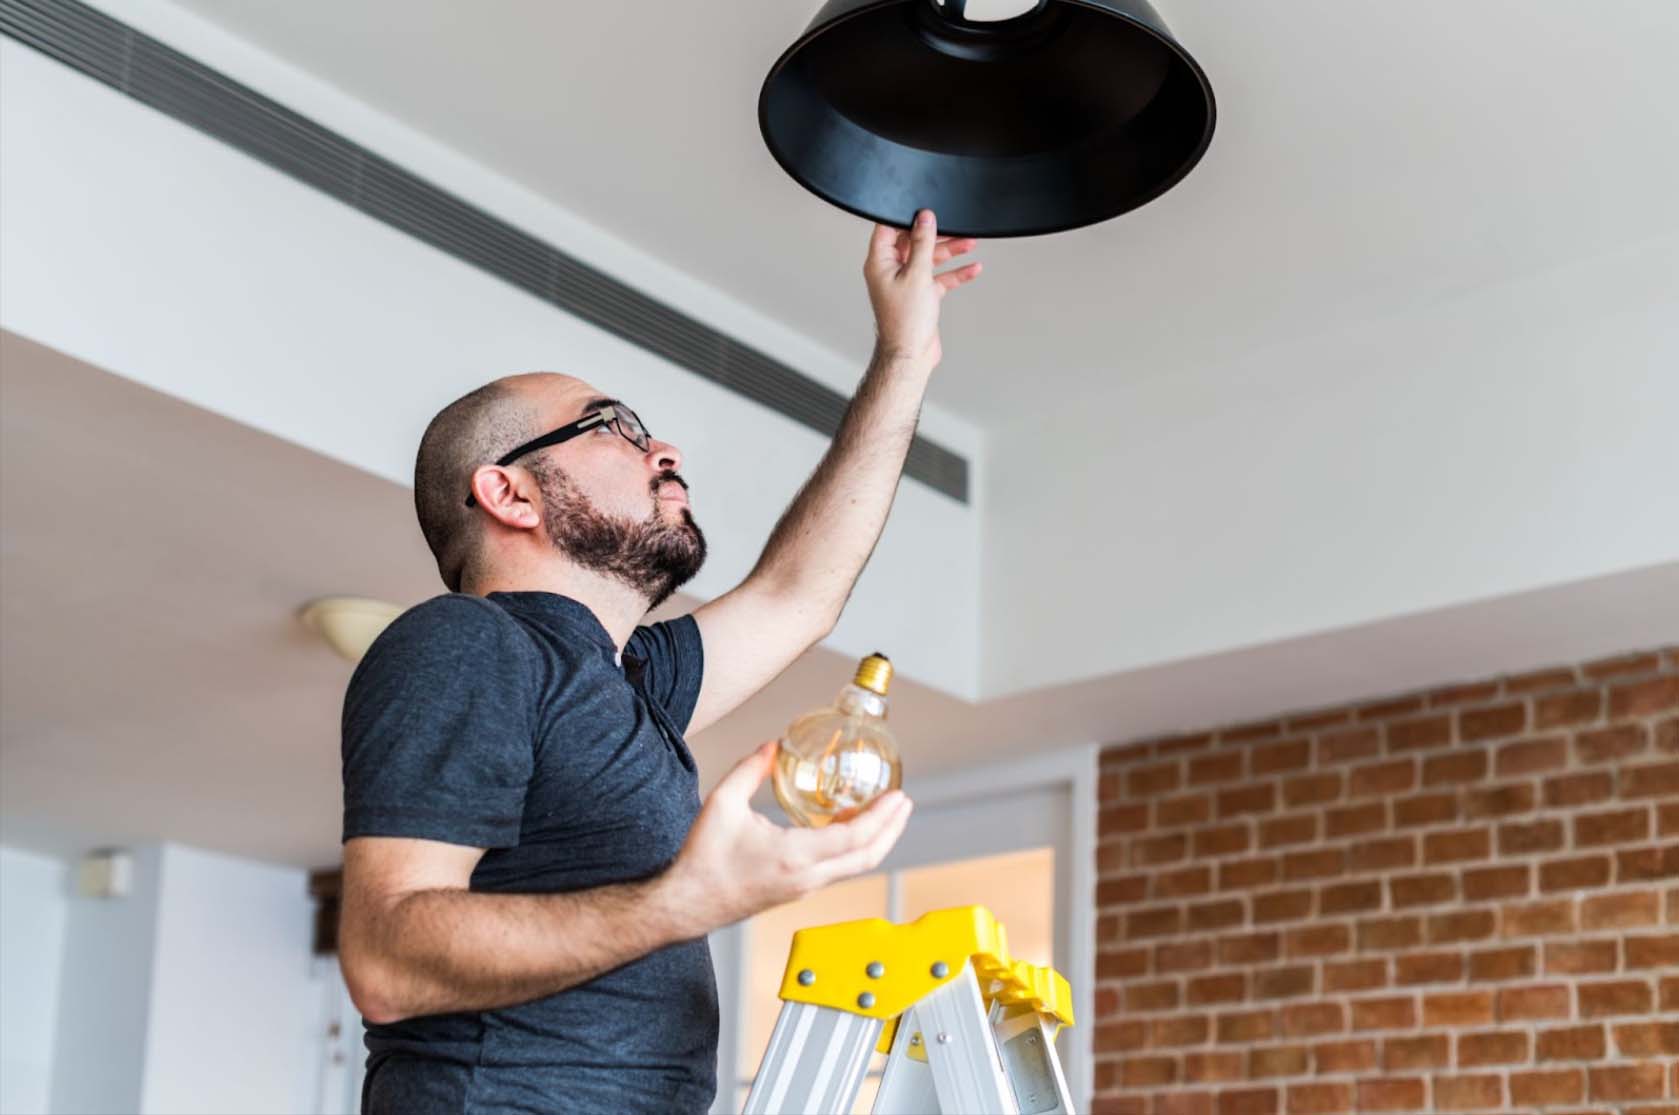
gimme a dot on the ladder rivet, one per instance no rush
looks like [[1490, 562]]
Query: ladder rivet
[[806, 977], [875, 969], [866, 1000], [943, 1038], [940, 969]]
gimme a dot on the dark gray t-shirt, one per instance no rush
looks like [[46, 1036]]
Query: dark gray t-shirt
[[503, 723]]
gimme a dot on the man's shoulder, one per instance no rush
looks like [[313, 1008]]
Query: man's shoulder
[[448, 628]]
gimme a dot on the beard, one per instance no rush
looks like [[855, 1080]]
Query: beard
[[654, 557]]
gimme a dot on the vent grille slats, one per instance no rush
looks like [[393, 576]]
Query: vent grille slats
[[175, 84]]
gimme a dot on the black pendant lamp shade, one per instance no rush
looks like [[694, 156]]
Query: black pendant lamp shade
[[1071, 113]]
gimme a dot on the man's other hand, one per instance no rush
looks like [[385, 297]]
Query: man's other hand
[[904, 290], [736, 862]]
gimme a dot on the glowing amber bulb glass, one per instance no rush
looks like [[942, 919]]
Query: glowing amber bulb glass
[[836, 760]]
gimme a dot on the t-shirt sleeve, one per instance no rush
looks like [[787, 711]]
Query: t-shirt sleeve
[[438, 733], [675, 665]]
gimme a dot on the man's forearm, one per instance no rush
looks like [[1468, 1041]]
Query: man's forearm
[[434, 951], [825, 537]]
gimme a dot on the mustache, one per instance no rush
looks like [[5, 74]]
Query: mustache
[[667, 477]]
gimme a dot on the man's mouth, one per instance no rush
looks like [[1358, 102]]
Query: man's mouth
[[673, 490]]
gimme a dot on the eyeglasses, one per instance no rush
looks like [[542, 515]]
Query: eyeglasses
[[618, 416]]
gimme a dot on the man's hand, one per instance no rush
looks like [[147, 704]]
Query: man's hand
[[736, 862], [904, 290]]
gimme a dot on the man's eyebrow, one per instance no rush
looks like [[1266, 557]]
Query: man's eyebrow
[[598, 404]]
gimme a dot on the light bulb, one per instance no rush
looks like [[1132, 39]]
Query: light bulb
[[835, 760]]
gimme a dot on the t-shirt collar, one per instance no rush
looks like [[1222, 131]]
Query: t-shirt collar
[[571, 616]]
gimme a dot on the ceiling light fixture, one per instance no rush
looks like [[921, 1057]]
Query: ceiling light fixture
[[1065, 114], [349, 624]]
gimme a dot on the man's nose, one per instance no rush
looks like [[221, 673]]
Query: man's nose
[[664, 457]]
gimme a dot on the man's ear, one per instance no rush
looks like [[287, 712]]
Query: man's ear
[[508, 496]]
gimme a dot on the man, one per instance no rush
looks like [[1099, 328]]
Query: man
[[529, 875]]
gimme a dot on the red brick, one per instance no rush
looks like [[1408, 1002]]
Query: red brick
[[1278, 1060], [1343, 1056], [1650, 780], [1548, 1087], [1457, 845], [1212, 1068], [1670, 993], [1647, 1039], [1282, 832], [1162, 778], [1313, 1019], [1609, 745], [1150, 851], [1667, 735], [1615, 826], [1635, 865], [1244, 873], [1355, 975], [1387, 934], [1355, 820], [1459, 1008], [1463, 694], [1320, 1099], [1428, 967], [1384, 1014], [1312, 789], [1574, 958], [1323, 863], [1158, 922], [1524, 1004], [1425, 809], [1249, 1101], [1392, 1095], [1187, 1029], [1124, 890], [1539, 919], [1350, 898], [1243, 800], [1531, 756], [1627, 1082], [1284, 983], [1468, 1093], [1224, 766], [1319, 940], [1382, 855], [1494, 1047], [1388, 709], [1653, 952], [1246, 733], [1484, 883], [1494, 965], [1207, 916], [1574, 873], [1120, 1037], [1605, 1000], [1430, 1051], [1498, 801], [1348, 744], [1423, 732], [1280, 758], [1188, 882], [1586, 788], [1644, 698], [1623, 665], [1667, 815], [1118, 819], [1126, 753], [1182, 745], [1492, 722], [1388, 777], [1162, 995], [1631, 910], [1222, 840], [1573, 1043], [1580, 706], [1247, 1027], [1119, 1105], [1320, 718], [1146, 1072], [1227, 987], [1281, 905], [1540, 680], [1187, 956], [1191, 809], [1183, 1103], [1421, 890], [1454, 768], [1250, 948], [1461, 925], [1121, 964], [1523, 838]]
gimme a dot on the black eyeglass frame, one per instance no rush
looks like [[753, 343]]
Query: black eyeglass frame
[[613, 415]]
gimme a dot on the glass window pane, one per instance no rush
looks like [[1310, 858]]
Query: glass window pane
[[1018, 887], [770, 935]]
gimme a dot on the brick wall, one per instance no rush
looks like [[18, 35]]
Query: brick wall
[[1459, 900]]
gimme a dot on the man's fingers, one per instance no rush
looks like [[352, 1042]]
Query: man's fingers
[[746, 776], [923, 239], [883, 247], [867, 856], [950, 280], [847, 836]]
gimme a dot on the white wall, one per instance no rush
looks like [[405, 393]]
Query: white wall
[[236, 999], [1516, 437], [260, 299], [32, 915], [99, 1051]]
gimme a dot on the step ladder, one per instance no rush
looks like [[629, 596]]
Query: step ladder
[[966, 1029]]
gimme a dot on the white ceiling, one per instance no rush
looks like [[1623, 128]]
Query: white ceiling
[[1369, 158]]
